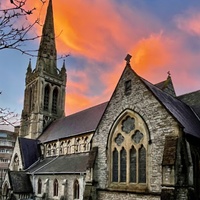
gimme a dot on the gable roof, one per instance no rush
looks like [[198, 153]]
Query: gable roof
[[167, 86], [20, 182], [29, 151], [85, 121], [181, 111], [72, 163], [193, 100]]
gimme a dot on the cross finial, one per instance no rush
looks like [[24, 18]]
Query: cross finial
[[128, 58]]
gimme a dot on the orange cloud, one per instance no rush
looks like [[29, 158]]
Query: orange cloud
[[75, 102], [153, 54], [105, 31]]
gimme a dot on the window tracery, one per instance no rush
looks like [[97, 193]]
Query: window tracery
[[128, 146]]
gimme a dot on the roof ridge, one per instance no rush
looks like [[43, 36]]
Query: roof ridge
[[86, 109]]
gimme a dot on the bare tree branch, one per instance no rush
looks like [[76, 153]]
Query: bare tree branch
[[15, 26]]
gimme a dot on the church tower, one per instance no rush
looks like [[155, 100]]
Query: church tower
[[44, 96]]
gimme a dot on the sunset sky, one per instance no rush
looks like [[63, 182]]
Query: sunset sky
[[161, 36]]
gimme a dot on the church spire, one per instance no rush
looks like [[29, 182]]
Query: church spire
[[47, 51]]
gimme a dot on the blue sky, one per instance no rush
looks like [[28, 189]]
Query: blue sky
[[161, 36]]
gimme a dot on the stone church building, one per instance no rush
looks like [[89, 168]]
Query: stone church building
[[144, 143]]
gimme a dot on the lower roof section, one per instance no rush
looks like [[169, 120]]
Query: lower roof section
[[67, 164]]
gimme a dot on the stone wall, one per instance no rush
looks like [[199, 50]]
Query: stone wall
[[102, 195], [159, 122], [65, 186]]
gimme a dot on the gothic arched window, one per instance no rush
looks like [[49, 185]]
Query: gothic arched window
[[39, 186], [46, 97], [55, 187], [128, 150], [5, 190], [49, 150], [76, 189], [55, 101], [16, 163], [62, 148]]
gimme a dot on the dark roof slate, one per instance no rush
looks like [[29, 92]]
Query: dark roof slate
[[82, 122], [181, 111], [20, 182], [29, 151], [193, 100], [167, 86], [73, 163]]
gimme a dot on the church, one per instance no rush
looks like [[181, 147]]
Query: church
[[143, 143]]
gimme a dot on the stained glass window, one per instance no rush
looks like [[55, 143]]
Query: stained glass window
[[123, 165], [129, 146], [115, 166], [142, 165], [133, 165]]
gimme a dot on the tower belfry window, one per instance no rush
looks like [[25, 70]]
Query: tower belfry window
[[30, 100], [46, 98], [55, 101]]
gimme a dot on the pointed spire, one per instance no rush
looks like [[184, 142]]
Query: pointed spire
[[63, 71], [47, 51], [63, 67], [29, 68]]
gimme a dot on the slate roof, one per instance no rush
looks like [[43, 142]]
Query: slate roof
[[193, 100], [29, 151], [72, 163], [167, 86], [82, 122], [20, 182], [181, 111]]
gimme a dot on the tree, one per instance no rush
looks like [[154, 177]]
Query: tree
[[14, 25]]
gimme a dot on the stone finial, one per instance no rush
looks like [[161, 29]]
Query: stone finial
[[128, 58]]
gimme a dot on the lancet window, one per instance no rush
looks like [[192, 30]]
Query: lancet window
[[55, 187], [76, 189], [16, 163], [39, 186]]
